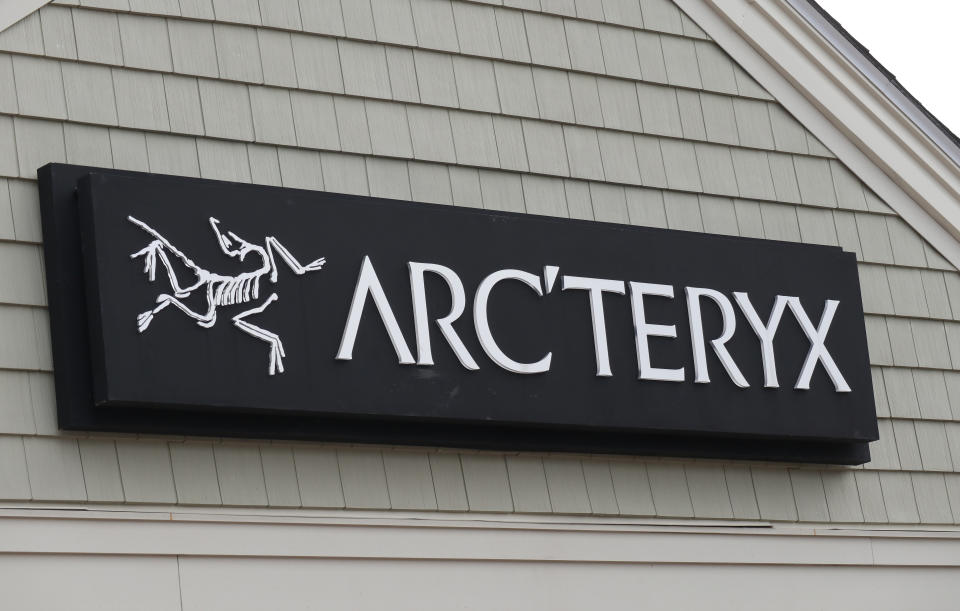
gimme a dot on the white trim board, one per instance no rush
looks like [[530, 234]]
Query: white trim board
[[842, 107], [420, 536], [870, 70], [12, 11]]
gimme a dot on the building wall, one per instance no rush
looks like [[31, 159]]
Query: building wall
[[619, 111]]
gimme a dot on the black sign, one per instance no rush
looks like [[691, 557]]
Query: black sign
[[202, 307]]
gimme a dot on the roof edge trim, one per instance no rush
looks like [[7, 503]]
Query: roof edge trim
[[12, 11], [842, 107], [882, 79]]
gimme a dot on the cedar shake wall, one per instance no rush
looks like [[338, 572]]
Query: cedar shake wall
[[620, 111]]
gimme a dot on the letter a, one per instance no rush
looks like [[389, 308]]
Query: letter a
[[368, 283]]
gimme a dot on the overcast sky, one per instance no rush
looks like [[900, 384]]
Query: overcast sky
[[917, 40]]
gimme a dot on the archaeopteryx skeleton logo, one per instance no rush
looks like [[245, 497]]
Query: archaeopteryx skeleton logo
[[221, 290]]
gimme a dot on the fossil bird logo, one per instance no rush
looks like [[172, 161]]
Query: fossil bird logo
[[221, 290]]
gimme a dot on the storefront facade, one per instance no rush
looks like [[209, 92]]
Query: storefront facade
[[747, 119]]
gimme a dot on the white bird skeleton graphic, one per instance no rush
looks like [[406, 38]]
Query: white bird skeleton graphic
[[220, 290]]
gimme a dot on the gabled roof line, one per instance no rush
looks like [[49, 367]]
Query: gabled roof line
[[907, 166], [883, 79]]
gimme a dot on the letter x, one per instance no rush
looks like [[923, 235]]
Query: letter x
[[818, 352]]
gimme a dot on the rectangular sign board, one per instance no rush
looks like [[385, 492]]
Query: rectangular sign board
[[193, 306]]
